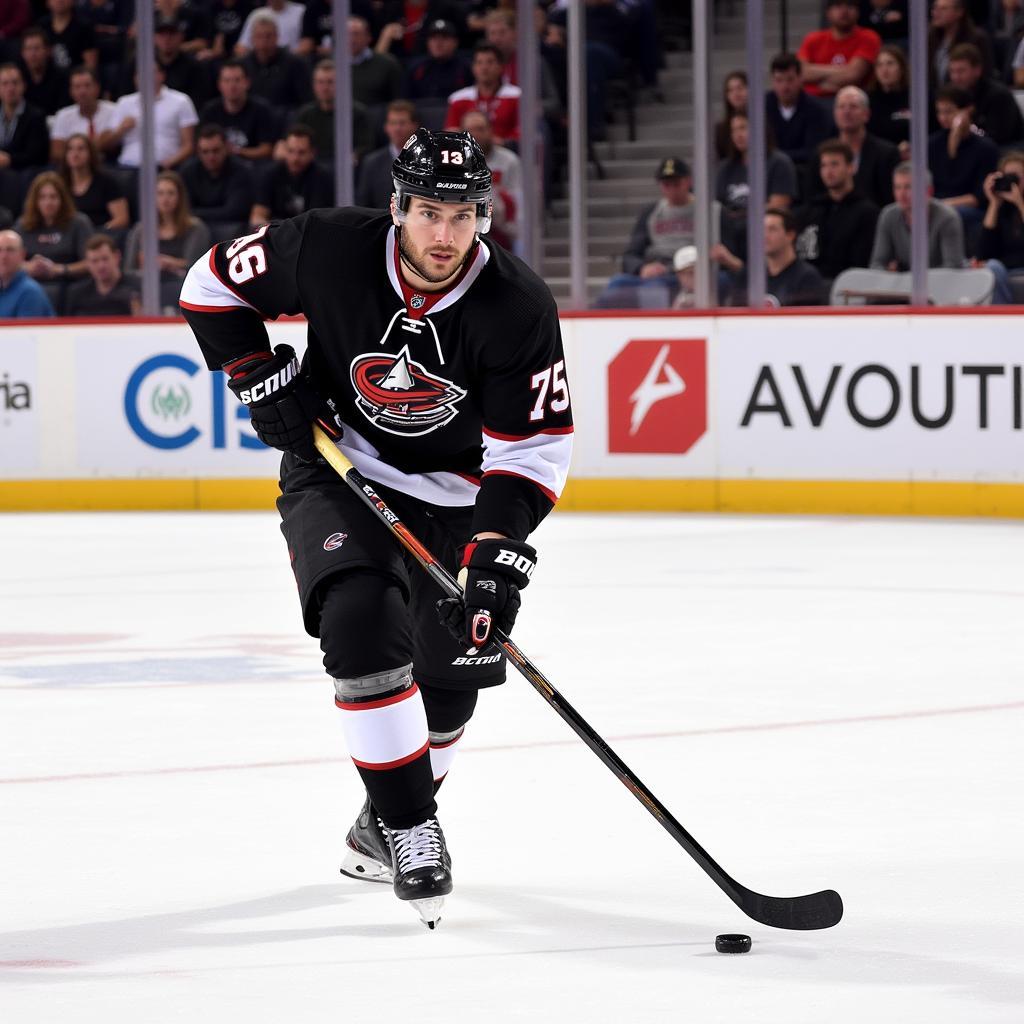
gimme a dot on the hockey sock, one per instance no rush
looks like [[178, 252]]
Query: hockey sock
[[443, 747], [385, 726]]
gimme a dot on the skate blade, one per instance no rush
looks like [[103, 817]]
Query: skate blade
[[358, 865], [429, 910]]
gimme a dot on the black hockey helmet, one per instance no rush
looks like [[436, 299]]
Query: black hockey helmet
[[448, 167]]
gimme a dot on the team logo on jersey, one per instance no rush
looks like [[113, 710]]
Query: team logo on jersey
[[417, 301], [400, 395], [335, 541]]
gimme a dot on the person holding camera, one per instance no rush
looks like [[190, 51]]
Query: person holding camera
[[1001, 242]]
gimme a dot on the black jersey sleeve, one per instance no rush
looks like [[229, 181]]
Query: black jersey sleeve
[[527, 432], [233, 288]]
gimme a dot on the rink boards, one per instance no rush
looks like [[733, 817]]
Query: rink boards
[[893, 412]]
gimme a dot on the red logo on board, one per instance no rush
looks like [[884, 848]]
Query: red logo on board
[[657, 396]]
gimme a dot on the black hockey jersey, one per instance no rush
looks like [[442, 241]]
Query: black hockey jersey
[[457, 401]]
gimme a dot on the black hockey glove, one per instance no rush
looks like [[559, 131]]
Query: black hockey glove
[[493, 572], [282, 403]]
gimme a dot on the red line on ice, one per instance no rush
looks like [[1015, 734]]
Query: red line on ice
[[679, 733]]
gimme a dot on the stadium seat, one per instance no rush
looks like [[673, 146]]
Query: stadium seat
[[861, 286]]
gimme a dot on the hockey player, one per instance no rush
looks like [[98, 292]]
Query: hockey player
[[435, 361]]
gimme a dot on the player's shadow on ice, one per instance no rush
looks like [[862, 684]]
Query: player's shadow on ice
[[100, 942], [505, 922]]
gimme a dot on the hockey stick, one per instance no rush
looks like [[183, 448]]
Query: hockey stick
[[816, 910]]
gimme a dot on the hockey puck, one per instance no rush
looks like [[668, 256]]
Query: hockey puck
[[732, 943]]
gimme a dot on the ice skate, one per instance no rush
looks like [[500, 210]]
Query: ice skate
[[422, 868], [368, 855]]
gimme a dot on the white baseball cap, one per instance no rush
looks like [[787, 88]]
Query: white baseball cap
[[685, 257]]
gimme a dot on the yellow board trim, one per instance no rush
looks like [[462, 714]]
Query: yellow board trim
[[808, 497], [136, 495]]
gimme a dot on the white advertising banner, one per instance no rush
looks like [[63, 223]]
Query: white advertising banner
[[19, 403], [918, 398], [909, 397]]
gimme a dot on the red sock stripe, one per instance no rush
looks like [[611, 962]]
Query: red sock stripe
[[384, 703], [394, 764]]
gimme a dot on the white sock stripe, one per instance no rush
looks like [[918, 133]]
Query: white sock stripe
[[384, 735], [441, 757]]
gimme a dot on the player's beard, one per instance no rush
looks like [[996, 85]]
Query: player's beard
[[417, 261]]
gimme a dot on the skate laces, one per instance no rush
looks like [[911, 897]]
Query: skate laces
[[419, 846]]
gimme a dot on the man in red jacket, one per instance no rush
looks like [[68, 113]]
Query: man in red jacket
[[489, 95]]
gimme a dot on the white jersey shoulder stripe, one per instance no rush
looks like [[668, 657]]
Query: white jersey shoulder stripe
[[203, 289]]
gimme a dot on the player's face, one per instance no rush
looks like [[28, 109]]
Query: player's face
[[436, 238]]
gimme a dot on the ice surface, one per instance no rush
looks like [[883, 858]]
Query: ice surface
[[821, 702]]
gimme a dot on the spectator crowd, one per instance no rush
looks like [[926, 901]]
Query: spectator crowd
[[838, 176], [244, 121]]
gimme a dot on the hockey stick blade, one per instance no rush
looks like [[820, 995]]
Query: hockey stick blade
[[814, 911], [799, 913]]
